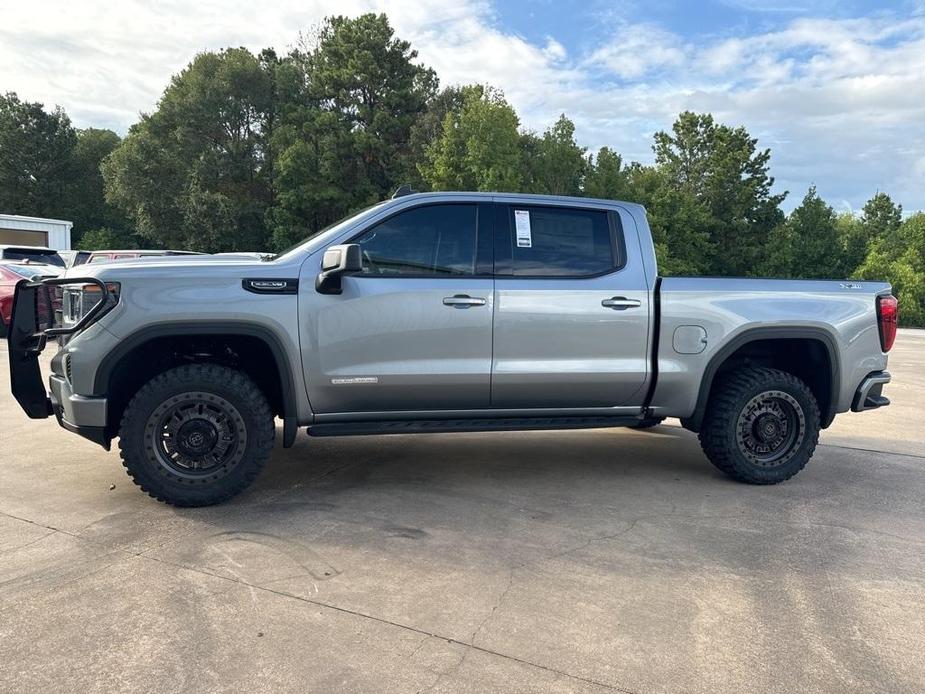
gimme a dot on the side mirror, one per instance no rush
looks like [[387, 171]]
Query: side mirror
[[337, 262]]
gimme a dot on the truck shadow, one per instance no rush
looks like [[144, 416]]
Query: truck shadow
[[527, 462]]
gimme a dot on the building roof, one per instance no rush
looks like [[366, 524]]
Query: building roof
[[22, 218]]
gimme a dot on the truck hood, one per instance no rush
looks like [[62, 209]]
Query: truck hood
[[182, 267]]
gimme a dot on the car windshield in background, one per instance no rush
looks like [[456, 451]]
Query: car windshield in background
[[47, 258]]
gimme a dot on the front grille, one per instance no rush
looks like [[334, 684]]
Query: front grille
[[67, 368]]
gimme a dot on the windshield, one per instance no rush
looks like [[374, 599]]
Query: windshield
[[38, 256], [321, 237]]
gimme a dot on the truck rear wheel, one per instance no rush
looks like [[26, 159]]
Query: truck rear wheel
[[196, 435], [761, 425]]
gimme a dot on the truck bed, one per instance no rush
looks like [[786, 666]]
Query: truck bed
[[704, 320]]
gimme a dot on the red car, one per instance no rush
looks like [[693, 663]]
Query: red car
[[10, 274]]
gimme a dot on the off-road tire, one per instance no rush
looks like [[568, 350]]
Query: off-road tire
[[249, 424], [723, 432], [648, 423]]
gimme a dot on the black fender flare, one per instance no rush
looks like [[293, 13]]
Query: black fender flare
[[767, 333], [209, 327]]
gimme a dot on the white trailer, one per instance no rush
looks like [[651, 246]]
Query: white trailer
[[16, 230]]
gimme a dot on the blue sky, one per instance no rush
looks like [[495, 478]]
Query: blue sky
[[835, 89], [570, 22]]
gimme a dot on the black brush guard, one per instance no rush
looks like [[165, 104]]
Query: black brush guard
[[32, 322]]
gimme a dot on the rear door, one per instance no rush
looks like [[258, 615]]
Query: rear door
[[571, 309], [412, 331]]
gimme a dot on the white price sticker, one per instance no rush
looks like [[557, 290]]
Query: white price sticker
[[522, 227]]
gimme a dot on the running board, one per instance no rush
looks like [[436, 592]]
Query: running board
[[442, 426]]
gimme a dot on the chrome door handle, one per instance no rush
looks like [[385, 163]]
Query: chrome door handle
[[463, 301], [621, 303]]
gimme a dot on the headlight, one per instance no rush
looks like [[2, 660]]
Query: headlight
[[76, 301]]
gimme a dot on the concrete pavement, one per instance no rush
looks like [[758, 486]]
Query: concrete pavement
[[581, 561]]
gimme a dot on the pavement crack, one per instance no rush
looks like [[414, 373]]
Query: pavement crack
[[36, 523], [398, 625], [30, 542], [490, 615], [870, 450], [599, 538], [453, 669]]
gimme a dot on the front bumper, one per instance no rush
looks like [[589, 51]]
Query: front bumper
[[78, 413], [32, 322], [869, 396]]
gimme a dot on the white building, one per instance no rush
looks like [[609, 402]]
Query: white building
[[35, 231]]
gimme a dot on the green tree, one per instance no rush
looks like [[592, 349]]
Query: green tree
[[36, 164], [367, 76], [605, 176], [679, 222], [479, 147], [106, 238], [348, 104], [556, 164], [880, 218], [721, 169], [807, 245], [193, 174], [852, 250], [87, 206], [899, 258]]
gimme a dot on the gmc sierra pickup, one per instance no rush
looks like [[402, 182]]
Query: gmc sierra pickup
[[443, 312]]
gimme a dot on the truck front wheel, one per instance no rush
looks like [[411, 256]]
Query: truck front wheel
[[196, 435], [761, 425]]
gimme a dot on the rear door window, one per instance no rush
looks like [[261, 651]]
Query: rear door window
[[546, 241]]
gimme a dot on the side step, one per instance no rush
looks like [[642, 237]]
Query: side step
[[442, 426]]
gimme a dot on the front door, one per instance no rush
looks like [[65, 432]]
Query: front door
[[413, 330], [571, 309]]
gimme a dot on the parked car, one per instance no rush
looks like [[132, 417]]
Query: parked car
[[106, 256], [37, 254], [450, 312], [11, 273], [72, 258]]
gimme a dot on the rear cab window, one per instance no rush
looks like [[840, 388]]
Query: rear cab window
[[556, 241]]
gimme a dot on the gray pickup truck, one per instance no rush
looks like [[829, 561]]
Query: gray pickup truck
[[443, 312]]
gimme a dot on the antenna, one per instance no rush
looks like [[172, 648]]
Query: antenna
[[402, 191]]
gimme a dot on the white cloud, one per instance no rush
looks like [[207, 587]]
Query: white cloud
[[840, 102], [637, 50], [554, 50]]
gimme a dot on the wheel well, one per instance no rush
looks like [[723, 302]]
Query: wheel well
[[247, 353], [809, 359]]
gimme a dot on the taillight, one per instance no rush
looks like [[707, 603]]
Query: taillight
[[887, 317]]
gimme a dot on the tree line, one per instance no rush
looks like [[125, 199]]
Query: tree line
[[252, 151]]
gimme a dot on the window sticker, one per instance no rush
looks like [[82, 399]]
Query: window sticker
[[522, 227]]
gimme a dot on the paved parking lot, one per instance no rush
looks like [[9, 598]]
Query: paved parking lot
[[585, 561]]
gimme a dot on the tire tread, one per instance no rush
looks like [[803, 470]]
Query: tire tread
[[195, 376], [723, 411]]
